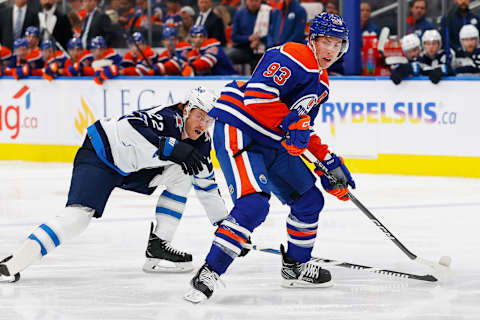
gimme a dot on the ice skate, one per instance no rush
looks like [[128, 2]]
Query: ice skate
[[162, 257], [303, 275], [5, 275], [203, 285]]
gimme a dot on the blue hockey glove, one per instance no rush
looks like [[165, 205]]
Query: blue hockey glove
[[191, 160], [109, 72], [21, 72], [297, 133], [339, 171], [75, 69], [50, 71]]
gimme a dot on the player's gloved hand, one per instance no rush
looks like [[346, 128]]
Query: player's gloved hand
[[75, 69], [402, 71], [182, 153], [339, 171], [21, 72], [297, 133], [188, 70], [50, 71], [159, 69], [97, 77], [436, 75]]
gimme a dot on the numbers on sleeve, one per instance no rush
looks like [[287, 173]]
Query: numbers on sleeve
[[279, 74]]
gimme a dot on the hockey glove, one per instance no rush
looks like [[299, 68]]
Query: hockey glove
[[402, 71], [191, 160], [297, 133], [21, 72], [75, 70], [97, 77], [436, 75], [50, 71], [339, 171], [188, 70]]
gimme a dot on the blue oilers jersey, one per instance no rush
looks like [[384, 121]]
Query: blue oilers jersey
[[287, 78], [130, 143], [211, 59]]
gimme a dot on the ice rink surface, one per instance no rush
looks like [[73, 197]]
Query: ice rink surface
[[98, 275]]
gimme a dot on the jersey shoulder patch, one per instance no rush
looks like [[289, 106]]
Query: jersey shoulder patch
[[301, 55]]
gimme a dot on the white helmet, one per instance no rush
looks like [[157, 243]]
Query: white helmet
[[409, 42], [202, 98], [468, 31], [431, 35]]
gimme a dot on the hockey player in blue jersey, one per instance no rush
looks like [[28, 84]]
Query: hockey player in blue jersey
[[207, 56], [140, 151], [468, 58], [262, 127], [435, 62]]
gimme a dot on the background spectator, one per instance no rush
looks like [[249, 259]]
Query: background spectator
[[451, 24], [246, 42], [54, 23], [126, 12], [213, 23], [96, 24], [365, 23], [14, 20], [173, 17], [187, 13], [289, 24], [331, 7], [417, 22], [112, 10]]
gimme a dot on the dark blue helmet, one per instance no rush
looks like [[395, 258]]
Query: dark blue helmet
[[169, 32], [32, 31], [75, 43], [47, 45], [330, 25], [20, 42], [198, 30], [98, 42], [136, 37]]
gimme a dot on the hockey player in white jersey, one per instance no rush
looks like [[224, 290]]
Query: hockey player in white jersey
[[160, 146]]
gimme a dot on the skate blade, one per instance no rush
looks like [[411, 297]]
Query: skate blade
[[303, 284], [195, 296], [165, 266], [9, 279]]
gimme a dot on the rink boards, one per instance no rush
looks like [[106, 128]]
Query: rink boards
[[415, 128]]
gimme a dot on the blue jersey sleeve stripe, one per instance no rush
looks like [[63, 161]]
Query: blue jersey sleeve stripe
[[162, 210], [43, 251], [51, 234], [100, 148], [210, 187], [175, 197]]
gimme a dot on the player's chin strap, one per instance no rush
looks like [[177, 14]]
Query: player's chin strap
[[441, 269]]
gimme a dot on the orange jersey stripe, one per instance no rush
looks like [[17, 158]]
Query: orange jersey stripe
[[260, 94], [246, 185]]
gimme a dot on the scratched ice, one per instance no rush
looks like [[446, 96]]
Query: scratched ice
[[98, 275]]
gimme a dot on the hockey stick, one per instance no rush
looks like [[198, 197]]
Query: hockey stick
[[354, 266], [441, 269]]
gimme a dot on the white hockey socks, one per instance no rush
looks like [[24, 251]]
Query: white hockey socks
[[68, 224], [169, 211]]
